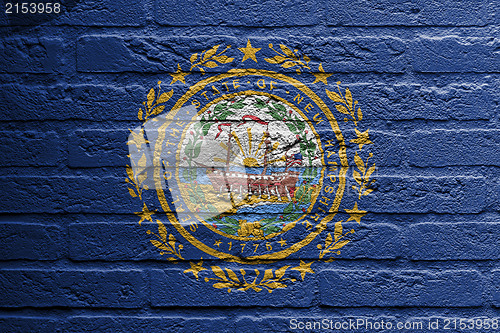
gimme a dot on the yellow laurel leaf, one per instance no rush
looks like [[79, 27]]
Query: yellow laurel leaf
[[139, 114], [222, 285], [360, 114], [367, 192], [281, 271], [162, 231], [165, 97], [341, 109], [142, 162], [223, 59], [275, 285], [130, 173], [219, 272], [328, 240], [334, 96], [287, 51], [151, 98], [306, 58], [275, 60], [210, 52], [348, 97], [159, 245], [232, 275], [142, 177], [357, 177], [268, 274], [211, 64], [158, 109], [359, 163], [132, 193], [369, 172], [193, 57], [338, 230], [288, 64], [340, 244]]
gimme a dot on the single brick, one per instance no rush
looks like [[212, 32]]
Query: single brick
[[151, 324], [21, 323], [398, 194], [495, 282], [68, 194], [31, 55], [454, 54], [452, 241], [30, 148], [270, 13], [111, 241], [64, 102], [454, 147], [374, 241], [72, 288], [417, 13], [116, 54], [360, 54], [174, 288], [31, 241], [355, 288], [98, 148]]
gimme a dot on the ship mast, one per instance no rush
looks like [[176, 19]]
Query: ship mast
[[268, 142]]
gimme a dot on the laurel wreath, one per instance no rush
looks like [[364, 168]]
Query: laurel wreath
[[226, 278]]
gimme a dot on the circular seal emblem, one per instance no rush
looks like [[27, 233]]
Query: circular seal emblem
[[250, 166]]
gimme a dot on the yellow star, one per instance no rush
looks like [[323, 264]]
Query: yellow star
[[145, 214], [179, 75], [321, 76], [217, 243], [282, 242], [138, 139], [195, 268], [303, 269], [362, 138], [249, 51], [355, 213]]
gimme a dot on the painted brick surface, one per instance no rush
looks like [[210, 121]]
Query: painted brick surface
[[82, 288], [468, 241], [30, 148], [421, 13], [401, 288], [270, 13], [27, 324], [453, 55], [32, 241], [31, 55], [73, 257]]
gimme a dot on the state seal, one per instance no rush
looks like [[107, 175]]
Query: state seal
[[250, 166]]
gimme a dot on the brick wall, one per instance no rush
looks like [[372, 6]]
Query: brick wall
[[72, 258]]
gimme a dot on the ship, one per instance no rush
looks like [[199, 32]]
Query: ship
[[264, 186]]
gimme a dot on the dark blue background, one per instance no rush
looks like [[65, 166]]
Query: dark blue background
[[427, 77]]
